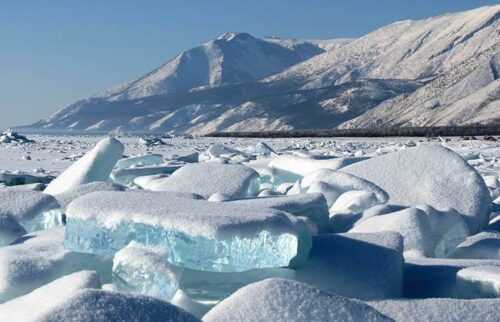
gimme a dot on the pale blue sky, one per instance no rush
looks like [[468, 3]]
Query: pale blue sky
[[53, 52]]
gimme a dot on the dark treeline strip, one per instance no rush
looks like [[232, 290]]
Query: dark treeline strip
[[370, 132]]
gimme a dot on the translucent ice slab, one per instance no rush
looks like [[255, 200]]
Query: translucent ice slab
[[198, 234]]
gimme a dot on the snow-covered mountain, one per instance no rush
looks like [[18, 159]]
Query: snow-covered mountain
[[231, 58], [438, 71]]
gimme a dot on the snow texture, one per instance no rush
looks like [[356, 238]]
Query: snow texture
[[283, 300]]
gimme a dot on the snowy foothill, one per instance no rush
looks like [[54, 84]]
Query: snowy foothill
[[321, 229]]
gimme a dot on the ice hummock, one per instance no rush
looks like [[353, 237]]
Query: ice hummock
[[233, 180], [198, 234], [95, 165], [144, 270], [33, 210], [430, 175]]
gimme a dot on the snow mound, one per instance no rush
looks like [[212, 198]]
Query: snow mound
[[411, 223], [363, 266], [35, 306], [283, 300], [484, 245], [430, 175], [205, 179], [38, 258], [32, 209], [95, 165]]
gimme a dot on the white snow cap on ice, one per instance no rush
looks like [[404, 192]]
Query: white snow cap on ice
[[430, 175], [95, 165]]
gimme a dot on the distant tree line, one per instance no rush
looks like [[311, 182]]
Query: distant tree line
[[435, 131]]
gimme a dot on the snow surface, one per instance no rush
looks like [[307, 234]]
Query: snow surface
[[284, 300], [37, 304], [311, 205], [443, 310], [65, 198]]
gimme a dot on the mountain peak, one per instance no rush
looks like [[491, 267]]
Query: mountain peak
[[229, 36]]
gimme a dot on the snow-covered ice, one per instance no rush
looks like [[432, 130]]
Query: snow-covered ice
[[32, 209], [411, 223], [95, 165], [283, 300], [65, 198], [197, 234], [205, 179], [479, 282], [430, 175], [281, 229], [363, 266], [309, 205], [33, 307], [38, 258]]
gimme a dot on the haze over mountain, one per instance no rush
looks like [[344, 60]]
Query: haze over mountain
[[437, 71]]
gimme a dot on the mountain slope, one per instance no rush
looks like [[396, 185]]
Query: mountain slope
[[467, 94], [437, 71], [404, 50]]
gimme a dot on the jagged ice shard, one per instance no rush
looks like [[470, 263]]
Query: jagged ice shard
[[95, 165], [197, 234]]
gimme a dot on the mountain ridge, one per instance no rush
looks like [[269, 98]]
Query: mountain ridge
[[437, 71]]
